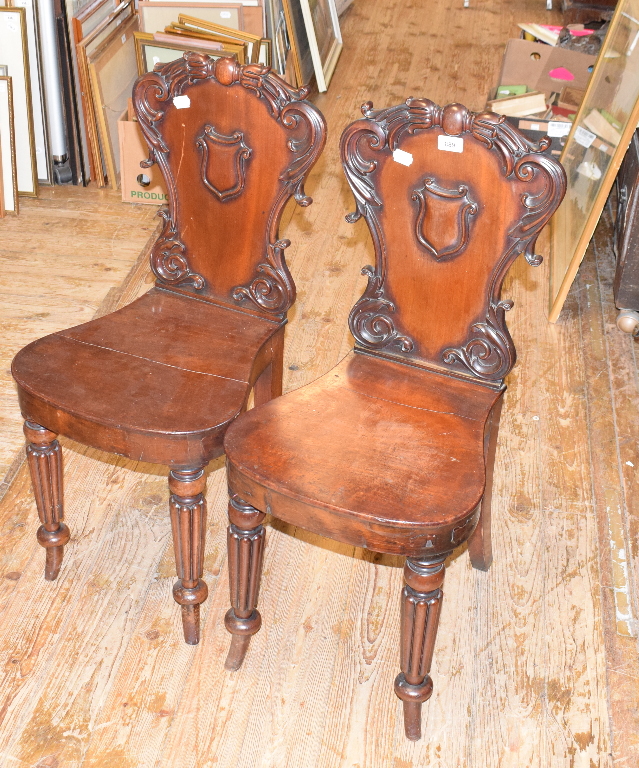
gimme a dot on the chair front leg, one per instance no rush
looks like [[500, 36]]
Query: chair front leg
[[269, 384], [246, 537], [421, 603], [188, 522], [480, 547], [44, 456]]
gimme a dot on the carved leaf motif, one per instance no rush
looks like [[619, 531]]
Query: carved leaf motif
[[272, 289], [236, 158], [490, 352], [370, 321], [465, 209]]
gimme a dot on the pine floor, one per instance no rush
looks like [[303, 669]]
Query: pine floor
[[536, 662]]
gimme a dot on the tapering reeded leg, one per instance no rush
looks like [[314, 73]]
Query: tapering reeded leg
[[246, 549], [480, 547], [269, 384], [421, 603], [188, 522], [45, 464]]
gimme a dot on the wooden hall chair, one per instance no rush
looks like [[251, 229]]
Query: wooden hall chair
[[393, 449], [161, 379]]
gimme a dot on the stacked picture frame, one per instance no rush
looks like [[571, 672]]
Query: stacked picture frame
[[101, 46]]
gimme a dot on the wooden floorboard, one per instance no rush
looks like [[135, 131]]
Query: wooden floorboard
[[58, 260], [532, 666]]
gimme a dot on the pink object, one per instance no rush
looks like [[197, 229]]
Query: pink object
[[576, 32], [561, 73]]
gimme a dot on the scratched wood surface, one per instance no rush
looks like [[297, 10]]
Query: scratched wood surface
[[530, 666]]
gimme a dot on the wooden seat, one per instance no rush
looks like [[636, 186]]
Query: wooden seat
[[161, 379], [394, 428], [394, 448]]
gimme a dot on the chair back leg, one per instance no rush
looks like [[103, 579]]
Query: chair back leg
[[188, 522], [480, 547], [269, 384], [44, 456], [421, 603], [246, 538]]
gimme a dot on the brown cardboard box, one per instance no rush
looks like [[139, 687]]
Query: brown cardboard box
[[530, 64], [139, 185]]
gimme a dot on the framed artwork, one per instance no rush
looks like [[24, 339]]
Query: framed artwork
[[44, 167], [205, 41], [595, 147], [252, 41], [280, 43], [324, 37], [266, 53], [155, 16], [302, 58], [151, 52], [90, 16], [86, 47], [8, 148], [15, 57], [113, 71]]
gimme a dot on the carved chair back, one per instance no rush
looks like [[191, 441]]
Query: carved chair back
[[233, 144], [451, 198]]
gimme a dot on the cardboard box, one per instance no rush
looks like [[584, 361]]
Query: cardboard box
[[537, 66], [139, 185]]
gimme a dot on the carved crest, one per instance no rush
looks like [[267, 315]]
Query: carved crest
[[438, 208], [272, 290], [223, 170], [489, 353]]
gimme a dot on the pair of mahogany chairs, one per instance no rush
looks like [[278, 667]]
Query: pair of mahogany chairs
[[393, 449]]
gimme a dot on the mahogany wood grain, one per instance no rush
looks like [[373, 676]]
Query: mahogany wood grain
[[393, 449], [161, 379]]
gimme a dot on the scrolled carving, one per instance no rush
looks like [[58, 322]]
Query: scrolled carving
[[272, 289], [168, 257], [489, 351], [466, 209], [370, 321]]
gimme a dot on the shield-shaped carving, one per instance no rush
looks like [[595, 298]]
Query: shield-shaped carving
[[223, 162], [444, 219]]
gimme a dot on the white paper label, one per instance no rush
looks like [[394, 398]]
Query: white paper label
[[225, 14], [405, 158], [450, 143], [535, 127], [558, 128], [584, 137], [182, 102]]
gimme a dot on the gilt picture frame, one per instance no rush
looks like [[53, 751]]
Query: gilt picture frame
[[324, 37], [15, 56], [151, 52], [11, 201]]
